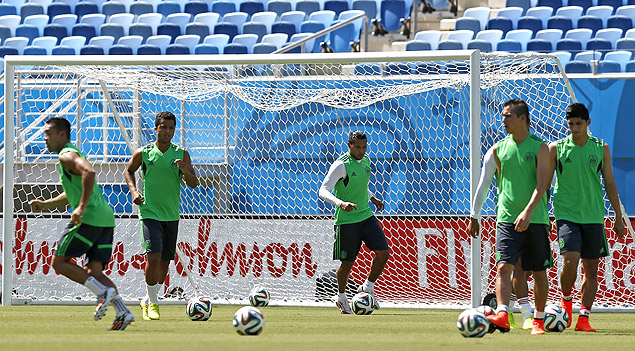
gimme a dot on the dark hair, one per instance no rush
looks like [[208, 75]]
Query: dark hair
[[356, 135], [60, 124], [577, 110], [519, 106], [165, 115]]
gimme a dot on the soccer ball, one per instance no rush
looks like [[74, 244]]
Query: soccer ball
[[556, 318], [472, 324], [248, 320], [199, 308], [487, 311], [363, 303], [259, 297]]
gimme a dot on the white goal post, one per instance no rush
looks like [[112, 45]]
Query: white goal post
[[262, 131]]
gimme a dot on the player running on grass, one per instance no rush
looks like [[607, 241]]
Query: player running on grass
[[163, 166], [355, 222], [578, 205], [90, 231], [522, 227]]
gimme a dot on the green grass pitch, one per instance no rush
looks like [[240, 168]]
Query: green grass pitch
[[288, 328]]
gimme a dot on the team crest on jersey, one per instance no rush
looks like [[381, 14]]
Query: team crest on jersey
[[593, 160], [530, 157], [174, 164], [368, 170]]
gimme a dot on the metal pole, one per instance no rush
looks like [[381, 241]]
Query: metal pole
[[475, 165], [7, 199]]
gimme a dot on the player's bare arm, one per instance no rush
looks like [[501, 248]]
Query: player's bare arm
[[611, 192], [56, 202], [378, 203], [79, 166], [185, 165], [543, 181], [132, 166]]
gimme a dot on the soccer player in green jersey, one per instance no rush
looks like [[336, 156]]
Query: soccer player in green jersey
[[90, 231], [578, 205], [346, 187], [163, 166], [522, 222]]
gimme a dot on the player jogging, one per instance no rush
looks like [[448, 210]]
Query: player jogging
[[355, 222], [90, 231], [163, 166], [522, 220], [578, 205]]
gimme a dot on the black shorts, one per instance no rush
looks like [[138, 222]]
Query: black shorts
[[160, 236], [94, 242], [587, 239], [349, 238], [532, 246]]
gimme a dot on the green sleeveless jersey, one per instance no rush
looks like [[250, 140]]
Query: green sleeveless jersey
[[98, 212], [161, 183], [353, 188], [578, 196], [517, 179]]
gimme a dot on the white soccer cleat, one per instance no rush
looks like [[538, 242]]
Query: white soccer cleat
[[103, 301], [344, 307], [121, 322], [370, 291]]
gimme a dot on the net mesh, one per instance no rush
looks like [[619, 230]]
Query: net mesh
[[261, 138]]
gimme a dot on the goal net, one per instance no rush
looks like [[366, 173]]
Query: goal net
[[262, 131]]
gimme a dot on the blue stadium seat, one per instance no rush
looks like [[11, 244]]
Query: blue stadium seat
[[621, 57], [86, 8], [500, 23], [235, 49], [58, 8], [5, 33], [223, 8], [601, 45], [577, 67], [492, 36], [570, 45], [110, 8], [177, 49], [139, 8], [431, 37], [131, 41], [248, 40], [584, 4], [414, 45], [75, 42], [615, 4], [391, 13], [279, 7], [511, 13], [466, 23], [188, 40], [539, 45], [337, 6], [524, 4], [622, 22], [593, 23], [7, 9], [264, 48], [209, 18], [27, 31], [226, 28], [581, 34], [369, 7], [217, 40], [625, 44], [560, 22], [481, 45], [523, 36], [563, 56], [91, 50], [284, 27], [204, 49], [200, 29], [462, 36], [608, 67], [29, 9], [47, 43], [630, 66], [276, 39], [541, 12], [251, 7], [550, 35], [18, 43], [571, 12], [297, 17], [554, 4], [313, 27], [309, 7], [34, 50], [258, 29], [170, 29], [195, 7], [120, 50], [55, 30], [266, 18], [610, 34], [587, 56], [167, 8], [113, 30], [140, 29], [160, 41], [324, 17], [603, 12], [450, 45], [509, 45], [148, 50], [532, 23], [481, 14], [63, 50]]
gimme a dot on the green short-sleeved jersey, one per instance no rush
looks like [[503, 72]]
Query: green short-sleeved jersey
[[578, 196], [161, 183], [517, 179], [98, 212], [353, 188]]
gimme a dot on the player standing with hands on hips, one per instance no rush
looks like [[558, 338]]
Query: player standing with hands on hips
[[91, 229], [355, 222], [578, 205], [163, 165]]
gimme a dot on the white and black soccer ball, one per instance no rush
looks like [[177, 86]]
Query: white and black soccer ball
[[259, 297], [363, 303], [556, 318], [248, 320], [472, 323], [199, 308]]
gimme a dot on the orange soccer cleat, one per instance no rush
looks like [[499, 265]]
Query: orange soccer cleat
[[583, 324], [500, 320], [538, 327], [568, 307]]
